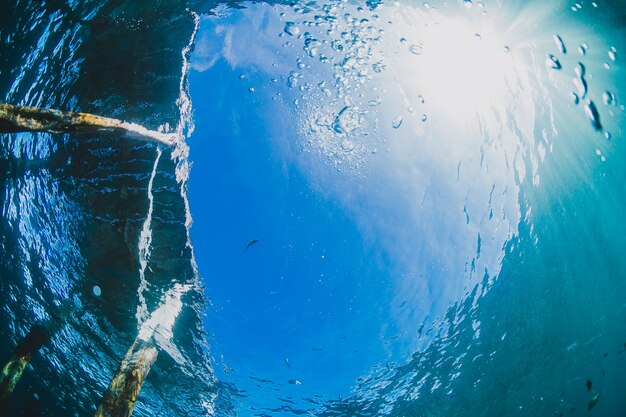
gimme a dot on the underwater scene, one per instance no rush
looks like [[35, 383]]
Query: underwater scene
[[312, 208]]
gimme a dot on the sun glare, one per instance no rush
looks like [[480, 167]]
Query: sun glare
[[469, 68]]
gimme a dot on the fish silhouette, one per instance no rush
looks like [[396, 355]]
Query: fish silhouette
[[250, 244]]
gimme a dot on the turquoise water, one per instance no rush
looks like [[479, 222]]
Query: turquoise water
[[400, 209]]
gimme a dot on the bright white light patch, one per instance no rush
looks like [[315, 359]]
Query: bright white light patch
[[468, 67]]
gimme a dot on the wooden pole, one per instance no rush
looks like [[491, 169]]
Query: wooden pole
[[35, 339], [35, 119], [12, 372], [119, 399]]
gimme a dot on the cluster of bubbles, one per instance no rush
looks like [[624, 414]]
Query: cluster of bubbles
[[338, 79], [339, 92], [580, 94]]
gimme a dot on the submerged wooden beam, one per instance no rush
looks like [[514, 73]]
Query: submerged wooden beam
[[119, 399], [38, 335], [35, 119], [12, 372]]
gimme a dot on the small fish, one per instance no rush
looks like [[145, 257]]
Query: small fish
[[294, 382], [287, 363], [593, 401], [589, 385], [250, 244]]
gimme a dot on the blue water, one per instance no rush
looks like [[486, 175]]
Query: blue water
[[404, 209]]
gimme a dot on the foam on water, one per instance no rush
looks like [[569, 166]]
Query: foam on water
[[145, 240]]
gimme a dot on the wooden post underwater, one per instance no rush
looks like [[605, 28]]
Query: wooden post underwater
[[15, 119], [35, 339], [12, 372], [119, 399]]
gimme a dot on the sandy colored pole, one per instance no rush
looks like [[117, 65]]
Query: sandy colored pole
[[39, 335], [35, 119], [119, 399], [14, 368]]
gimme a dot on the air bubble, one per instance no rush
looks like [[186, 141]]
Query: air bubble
[[416, 49], [347, 120], [559, 43], [553, 62], [291, 29], [347, 145], [608, 98], [581, 86], [592, 114]]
